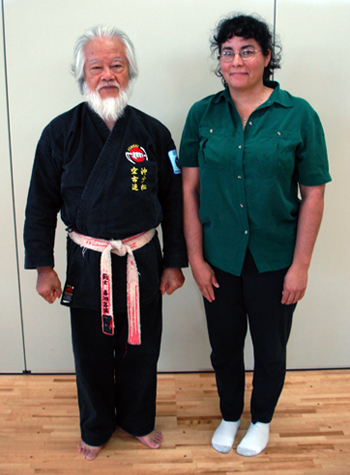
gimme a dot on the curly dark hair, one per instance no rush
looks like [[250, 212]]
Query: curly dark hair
[[246, 26]]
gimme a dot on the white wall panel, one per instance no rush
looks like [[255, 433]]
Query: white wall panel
[[314, 36], [171, 38], [11, 348]]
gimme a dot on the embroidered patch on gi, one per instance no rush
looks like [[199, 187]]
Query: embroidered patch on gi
[[136, 154], [138, 178], [174, 161]]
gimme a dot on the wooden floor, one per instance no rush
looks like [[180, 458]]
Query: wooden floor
[[310, 433]]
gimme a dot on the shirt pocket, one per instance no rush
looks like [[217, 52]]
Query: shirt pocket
[[215, 149], [275, 154], [286, 154]]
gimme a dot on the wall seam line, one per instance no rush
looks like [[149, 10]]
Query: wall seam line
[[12, 184]]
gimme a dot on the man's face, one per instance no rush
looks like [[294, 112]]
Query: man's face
[[106, 66]]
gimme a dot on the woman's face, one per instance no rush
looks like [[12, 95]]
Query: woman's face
[[243, 75]]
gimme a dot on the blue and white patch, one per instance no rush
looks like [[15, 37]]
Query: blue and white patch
[[174, 161]]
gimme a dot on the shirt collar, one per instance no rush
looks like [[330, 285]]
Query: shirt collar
[[278, 95]]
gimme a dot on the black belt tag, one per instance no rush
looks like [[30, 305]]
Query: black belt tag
[[107, 325], [67, 295]]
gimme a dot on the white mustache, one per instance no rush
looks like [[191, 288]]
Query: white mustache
[[108, 84]]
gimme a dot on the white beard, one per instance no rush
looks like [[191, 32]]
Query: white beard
[[111, 108]]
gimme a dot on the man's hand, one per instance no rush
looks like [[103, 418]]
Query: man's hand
[[171, 280], [48, 284]]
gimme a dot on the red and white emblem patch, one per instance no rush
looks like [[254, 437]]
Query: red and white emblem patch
[[136, 154]]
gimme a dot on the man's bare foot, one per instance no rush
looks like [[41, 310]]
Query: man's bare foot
[[89, 452], [152, 440]]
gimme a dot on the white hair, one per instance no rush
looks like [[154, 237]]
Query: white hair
[[77, 67]]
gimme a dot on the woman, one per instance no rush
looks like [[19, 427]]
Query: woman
[[246, 153]]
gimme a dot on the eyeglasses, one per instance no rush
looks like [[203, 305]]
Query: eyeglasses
[[246, 55]]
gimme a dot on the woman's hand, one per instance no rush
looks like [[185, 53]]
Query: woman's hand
[[202, 272], [309, 221], [294, 287], [205, 278]]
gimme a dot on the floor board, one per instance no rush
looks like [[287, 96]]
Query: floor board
[[310, 433]]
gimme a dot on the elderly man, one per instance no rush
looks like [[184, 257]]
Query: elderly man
[[112, 172]]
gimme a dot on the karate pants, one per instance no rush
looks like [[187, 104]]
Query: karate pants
[[255, 298], [116, 382]]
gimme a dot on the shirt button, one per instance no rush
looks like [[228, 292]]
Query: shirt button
[[279, 133], [211, 131], [250, 123], [239, 146], [242, 206], [239, 177], [245, 232]]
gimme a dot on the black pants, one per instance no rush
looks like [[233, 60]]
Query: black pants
[[255, 298], [116, 382]]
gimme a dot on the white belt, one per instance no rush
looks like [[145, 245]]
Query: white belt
[[121, 248]]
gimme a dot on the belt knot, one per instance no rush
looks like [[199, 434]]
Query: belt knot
[[118, 247]]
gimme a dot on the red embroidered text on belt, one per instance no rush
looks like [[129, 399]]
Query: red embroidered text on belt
[[121, 248]]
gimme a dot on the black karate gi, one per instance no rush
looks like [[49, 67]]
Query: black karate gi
[[109, 185]]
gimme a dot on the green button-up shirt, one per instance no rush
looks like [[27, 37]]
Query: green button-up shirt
[[249, 178]]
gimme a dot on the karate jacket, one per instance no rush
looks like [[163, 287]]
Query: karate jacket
[[110, 185]]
